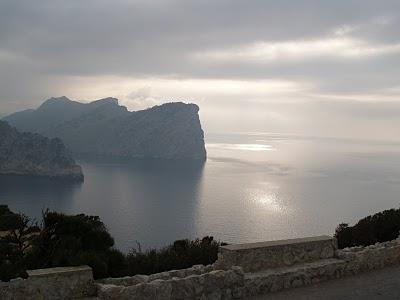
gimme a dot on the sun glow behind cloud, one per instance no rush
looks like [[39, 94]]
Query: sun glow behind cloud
[[286, 66], [342, 47], [135, 93]]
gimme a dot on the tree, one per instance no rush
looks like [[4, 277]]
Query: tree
[[72, 240], [17, 234], [380, 227], [179, 255]]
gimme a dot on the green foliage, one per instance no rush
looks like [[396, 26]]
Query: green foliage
[[72, 240], [64, 240], [181, 254], [17, 232], [11, 262], [117, 263], [380, 227], [8, 219]]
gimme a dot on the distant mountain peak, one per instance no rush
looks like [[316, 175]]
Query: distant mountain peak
[[103, 127], [55, 101], [60, 102], [108, 100], [176, 105], [61, 98]]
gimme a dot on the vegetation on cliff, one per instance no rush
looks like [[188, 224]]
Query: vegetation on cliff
[[71, 240], [179, 255], [380, 227], [23, 153], [17, 231]]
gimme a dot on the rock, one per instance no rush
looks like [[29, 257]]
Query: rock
[[107, 291], [104, 128], [34, 155], [216, 284]]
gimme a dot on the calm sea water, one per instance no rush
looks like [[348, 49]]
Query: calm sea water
[[253, 187]]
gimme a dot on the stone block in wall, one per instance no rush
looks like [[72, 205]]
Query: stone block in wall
[[136, 279], [361, 259], [253, 257], [51, 283], [214, 284], [274, 280]]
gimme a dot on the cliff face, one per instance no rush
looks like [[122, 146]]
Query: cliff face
[[103, 127], [35, 155]]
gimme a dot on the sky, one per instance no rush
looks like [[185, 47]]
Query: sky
[[319, 68]]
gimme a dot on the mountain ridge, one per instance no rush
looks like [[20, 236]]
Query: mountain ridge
[[103, 127]]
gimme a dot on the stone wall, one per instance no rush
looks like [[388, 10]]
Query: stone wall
[[360, 259], [52, 283], [349, 261], [132, 280], [253, 257], [274, 280], [214, 284], [297, 263]]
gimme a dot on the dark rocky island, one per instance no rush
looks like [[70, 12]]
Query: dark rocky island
[[105, 128], [30, 154]]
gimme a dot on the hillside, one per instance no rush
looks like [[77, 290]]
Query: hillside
[[103, 127], [34, 155]]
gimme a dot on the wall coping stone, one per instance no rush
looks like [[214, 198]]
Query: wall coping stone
[[277, 243], [211, 282], [52, 283], [253, 257], [57, 271]]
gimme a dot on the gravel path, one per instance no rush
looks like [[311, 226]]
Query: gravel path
[[381, 284]]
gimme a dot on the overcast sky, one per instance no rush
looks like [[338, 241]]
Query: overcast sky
[[329, 68]]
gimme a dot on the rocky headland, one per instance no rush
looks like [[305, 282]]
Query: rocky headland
[[30, 154], [105, 128]]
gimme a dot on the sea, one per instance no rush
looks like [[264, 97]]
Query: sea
[[254, 186]]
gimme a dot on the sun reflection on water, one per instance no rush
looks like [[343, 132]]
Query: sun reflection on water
[[243, 147], [269, 201]]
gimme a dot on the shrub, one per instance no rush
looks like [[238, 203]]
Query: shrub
[[181, 254], [380, 227], [11, 262], [17, 232], [72, 240], [117, 264]]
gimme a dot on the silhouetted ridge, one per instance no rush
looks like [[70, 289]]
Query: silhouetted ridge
[[103, 127]]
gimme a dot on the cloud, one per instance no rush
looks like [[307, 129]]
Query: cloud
[[141, 98], [249, 65], [265, 52], [344, 30]]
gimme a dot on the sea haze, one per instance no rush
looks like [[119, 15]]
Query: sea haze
[[253, 187]]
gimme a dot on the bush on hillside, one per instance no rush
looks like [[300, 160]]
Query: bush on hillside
[[181, 254], [71, 240], [380, 227], [17, 231], [74, 240]]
